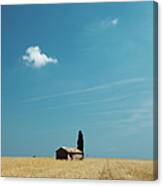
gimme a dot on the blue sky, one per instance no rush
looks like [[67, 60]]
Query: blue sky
[[78, 66]]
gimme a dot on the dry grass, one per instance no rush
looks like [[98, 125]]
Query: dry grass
[[89, 168]]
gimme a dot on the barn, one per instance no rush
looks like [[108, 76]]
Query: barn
[[69, 153]]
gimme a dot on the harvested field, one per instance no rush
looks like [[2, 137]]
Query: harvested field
[[89, 168]]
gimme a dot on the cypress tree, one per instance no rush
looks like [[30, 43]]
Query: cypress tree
[[80, 141]]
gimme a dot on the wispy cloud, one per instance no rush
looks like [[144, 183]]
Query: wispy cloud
[[91, 102], [134, 111], [34, 57], [135, 117], [103, 24], [86, 90], [115, 21]]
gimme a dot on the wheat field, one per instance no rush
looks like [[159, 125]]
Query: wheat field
[[89, 168]]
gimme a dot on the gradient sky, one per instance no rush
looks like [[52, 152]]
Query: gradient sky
[[78, 66]]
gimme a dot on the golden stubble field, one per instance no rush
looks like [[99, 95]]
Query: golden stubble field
[[89, 168]]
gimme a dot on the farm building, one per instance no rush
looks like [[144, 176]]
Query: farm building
[[69, 153]]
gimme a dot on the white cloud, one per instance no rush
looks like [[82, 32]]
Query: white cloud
[[35, 58]]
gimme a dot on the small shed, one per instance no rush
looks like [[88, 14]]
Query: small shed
[[69, 153]]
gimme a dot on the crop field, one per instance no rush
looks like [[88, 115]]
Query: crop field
[[89, 168]]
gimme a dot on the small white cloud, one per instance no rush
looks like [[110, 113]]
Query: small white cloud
[[35, 58], [102, 25], [108, 22], [115, 21]]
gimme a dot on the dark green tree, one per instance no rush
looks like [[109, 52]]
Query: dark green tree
[[80, 141]]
